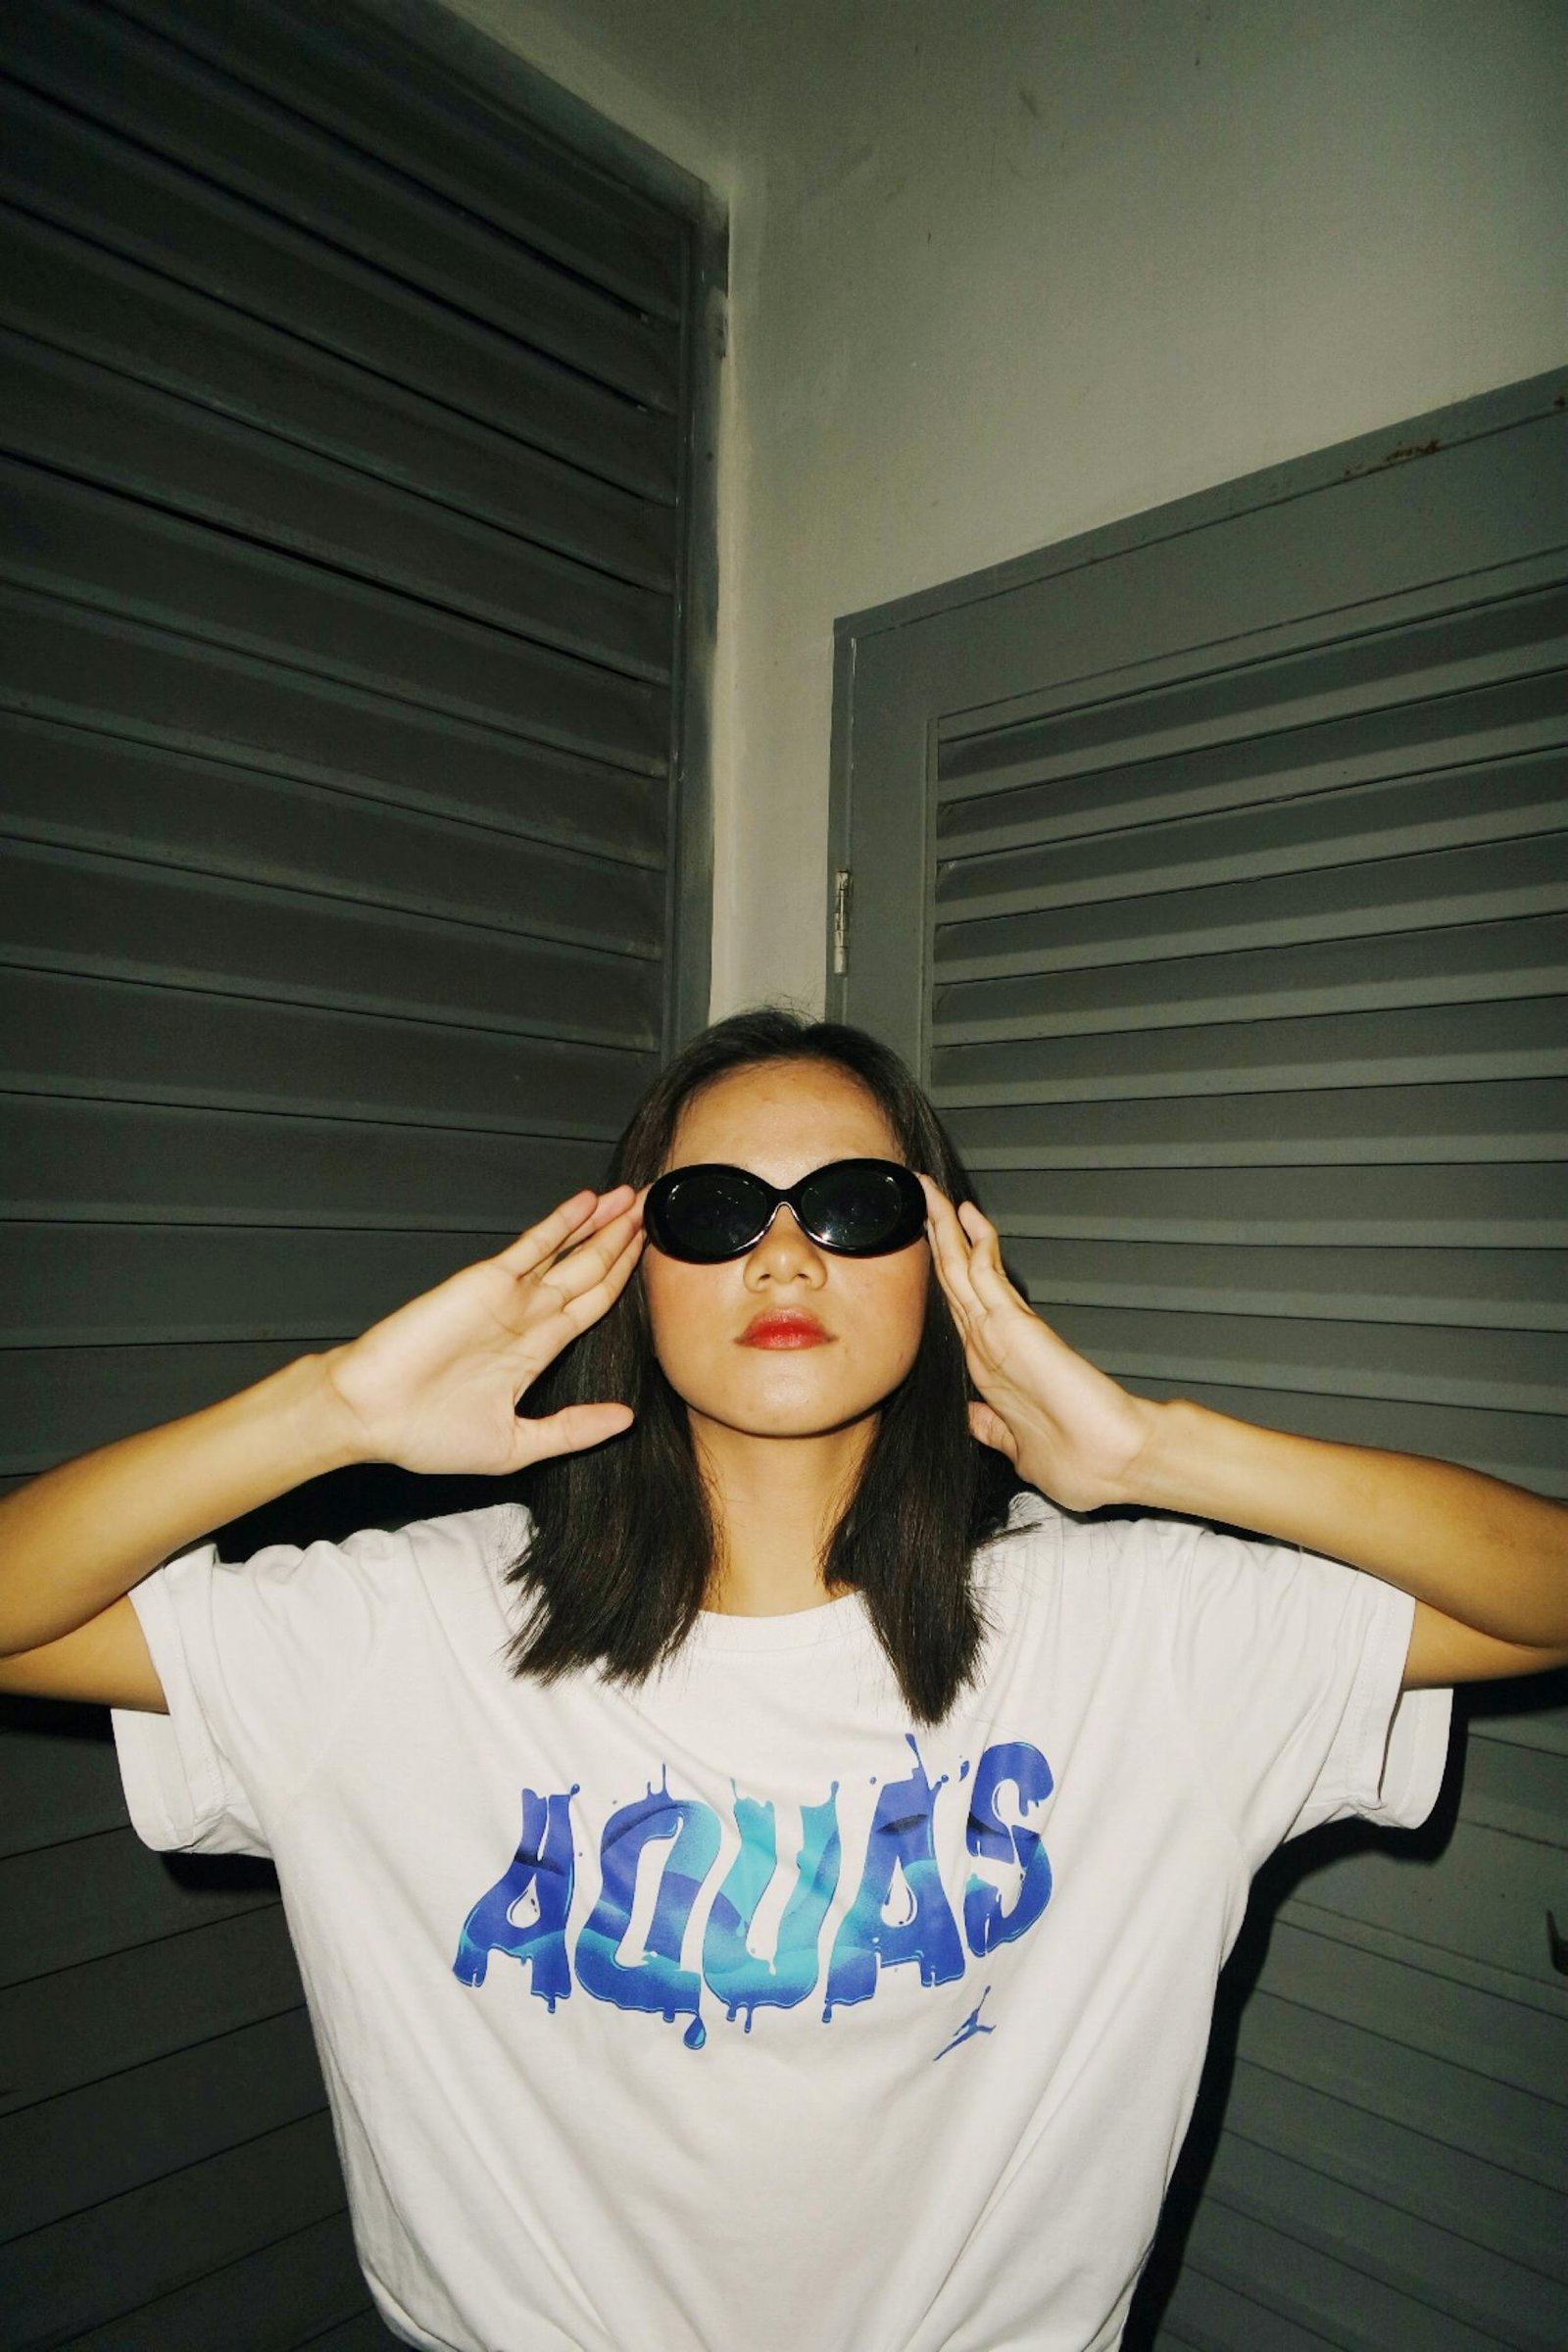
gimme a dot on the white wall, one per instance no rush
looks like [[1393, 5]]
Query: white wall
[[1004, 270]]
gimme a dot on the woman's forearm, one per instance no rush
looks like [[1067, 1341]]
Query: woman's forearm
[[1490, 1554], [75, 1538]]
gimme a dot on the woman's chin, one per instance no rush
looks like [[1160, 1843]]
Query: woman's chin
[[781, 1415]]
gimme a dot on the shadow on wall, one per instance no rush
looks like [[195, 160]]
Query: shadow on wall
[[1285, 1874]]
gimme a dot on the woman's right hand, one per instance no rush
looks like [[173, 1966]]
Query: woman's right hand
[[434, 1385]]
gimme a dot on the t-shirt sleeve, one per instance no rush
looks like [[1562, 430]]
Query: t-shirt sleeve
[[258, 1659], [1286, 1668]]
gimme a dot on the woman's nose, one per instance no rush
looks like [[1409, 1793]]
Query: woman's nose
[[785, 1245]]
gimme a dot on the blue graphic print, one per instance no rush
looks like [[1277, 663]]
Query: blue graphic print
[[901, 1913], [970, 2026], [543, 1867]]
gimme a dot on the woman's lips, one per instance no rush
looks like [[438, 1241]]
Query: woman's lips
[[783, 1331]]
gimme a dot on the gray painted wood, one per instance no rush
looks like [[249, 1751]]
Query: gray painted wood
[[80, 2025], [1212, 869], [358, 463], [156, 92], [97, 183], [101, 1895], [288, 2295], [593, 204], [259, 1171], [151, 2242], [107, 308], [96, 548], [89, 2145], [175, 1045], [130, 680], [146, 443]]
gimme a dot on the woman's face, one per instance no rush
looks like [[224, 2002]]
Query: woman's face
[[781, 1120]]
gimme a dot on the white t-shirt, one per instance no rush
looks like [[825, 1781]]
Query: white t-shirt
[[786, 2024]]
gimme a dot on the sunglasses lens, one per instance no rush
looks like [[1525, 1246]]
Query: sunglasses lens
[[862, 1207], [710, 1215]]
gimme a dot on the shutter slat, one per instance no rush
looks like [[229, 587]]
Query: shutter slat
[[1506, 723], [1215, 2315], [1448, 887], [1337, 1208], [80, 2272], [148, 444], [385, 95], [154, 2120], [59, 782], [54, 1787], [1520, 1038], [1520, 1790], [1444, 965], [366, 2334], [106, 1286], [76, 911], [111, 311], [76, 1160], [1354, 1127], [78, 2024], [1442, 2098], [114, 1040], [1281, 2270], [1414, 1996], [142, 684], [1400, 819], [1520, 1372], [158, 94], [1485, 2204], [69, 1903], [1495, 1289], [1428, 2267], [275, 2300], [1526, 1449], [108, 189], [98, 548], [60, 1402], [1483, 1906], [1229, 700]]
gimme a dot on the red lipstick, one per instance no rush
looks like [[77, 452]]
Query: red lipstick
[[783, 1327]]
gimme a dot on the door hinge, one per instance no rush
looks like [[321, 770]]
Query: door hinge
[[842, 886]]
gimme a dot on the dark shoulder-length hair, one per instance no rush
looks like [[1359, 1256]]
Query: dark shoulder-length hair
[[625, 1541]]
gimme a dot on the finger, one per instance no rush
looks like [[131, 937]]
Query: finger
[[570, 1431], [946, 1240], [987, 1273], [539, 1242], [950, 1250], [990, 1428], [616, 1204], [583, 1270], [586, 1306], [544, 1312]]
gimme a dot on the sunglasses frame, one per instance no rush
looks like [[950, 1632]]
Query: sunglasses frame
[[776, 1196]]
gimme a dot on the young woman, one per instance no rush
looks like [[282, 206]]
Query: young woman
[[765, 1887]]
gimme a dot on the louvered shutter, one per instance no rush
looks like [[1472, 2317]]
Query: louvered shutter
[[355, 466], [1213, 868]]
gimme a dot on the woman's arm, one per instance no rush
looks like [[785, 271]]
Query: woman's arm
[[433, 1387], [75, 1540], [1487, 1562]]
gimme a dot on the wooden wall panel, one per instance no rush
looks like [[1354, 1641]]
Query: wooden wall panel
[[1214, 869], [355, 464]]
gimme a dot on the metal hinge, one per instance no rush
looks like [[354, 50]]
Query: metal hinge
[[842, 885]]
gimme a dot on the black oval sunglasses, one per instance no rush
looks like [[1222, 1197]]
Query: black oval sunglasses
[[855, 1207]]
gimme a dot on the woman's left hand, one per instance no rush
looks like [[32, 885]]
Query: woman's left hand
[[1067, 1427]]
